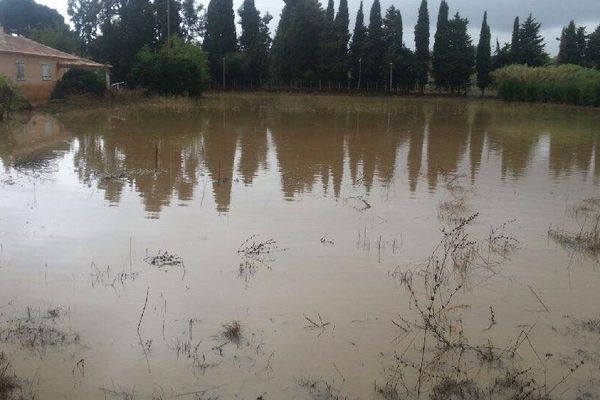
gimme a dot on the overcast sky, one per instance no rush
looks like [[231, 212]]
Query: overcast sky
[[553, 14]]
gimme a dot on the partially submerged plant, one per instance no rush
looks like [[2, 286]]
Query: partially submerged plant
[[232, 331], [163, 259]]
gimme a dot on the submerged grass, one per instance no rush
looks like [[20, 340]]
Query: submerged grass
[[587, 239]]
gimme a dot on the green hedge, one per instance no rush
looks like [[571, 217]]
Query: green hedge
[[10, 98], [79, 81], [180, 69], [566, 84]]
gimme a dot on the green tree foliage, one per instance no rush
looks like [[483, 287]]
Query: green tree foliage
[[23, 16], [121, 37], [329, 45], [484, 55], [373, 63], [422, 45], [592, 53], [254, 42], [401, 58], [502, 56], [440, 47], [341, 22], [567, 84], [296, 49], [220, 38], [461, 54], [582, 38], [531, 44], [178, 68], [168, 17], [79, 81], [515, 44], [192, 20], [37, 22], [10, 98], [358, 45], [569, 52]]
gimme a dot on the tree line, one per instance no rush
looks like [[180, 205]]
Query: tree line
[[312, 45]]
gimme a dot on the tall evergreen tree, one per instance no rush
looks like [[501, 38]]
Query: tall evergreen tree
[[531, 43], [582, 39], [592, 53], [396, 54], [440, 47], [484, 56], [515, 44], [168, 18], [342, 19], [358, 45], [373, 63], [569, 52], [254, 42], [422, 45], [297, 43], [220, 37], [328, 45], [502, 56], [461, 54], [192, 20], [330, 11]]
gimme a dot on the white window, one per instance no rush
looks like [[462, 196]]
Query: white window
[[46, 72], [20, 71]]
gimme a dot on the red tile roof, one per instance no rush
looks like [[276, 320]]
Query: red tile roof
[[22, 45]]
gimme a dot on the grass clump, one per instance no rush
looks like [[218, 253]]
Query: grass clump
[[565, 84], [232, 331], [587, 239]]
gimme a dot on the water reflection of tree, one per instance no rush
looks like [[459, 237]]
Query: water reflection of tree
[[308, 147], [446, 140], [122, 149]]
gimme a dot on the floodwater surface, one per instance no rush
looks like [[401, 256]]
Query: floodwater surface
[[133, 240]]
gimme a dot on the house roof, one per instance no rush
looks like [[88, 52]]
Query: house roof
[[21, 45]]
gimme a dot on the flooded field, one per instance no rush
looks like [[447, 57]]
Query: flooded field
[[288, 247]]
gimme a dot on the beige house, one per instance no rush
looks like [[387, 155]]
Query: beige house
[[35, 68]]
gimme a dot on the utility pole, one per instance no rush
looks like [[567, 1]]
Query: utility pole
[[359, 72], [391, 77], [223, 73]]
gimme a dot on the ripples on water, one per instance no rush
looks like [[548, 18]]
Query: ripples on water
[[348, 188]]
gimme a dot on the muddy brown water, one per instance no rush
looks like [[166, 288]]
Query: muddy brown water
[[349, 189]]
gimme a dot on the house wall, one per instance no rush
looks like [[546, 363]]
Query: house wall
[[33, 88]]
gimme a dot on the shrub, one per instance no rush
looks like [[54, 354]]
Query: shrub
[[10, 98], [179, 70], [79, 81], [567, 84]]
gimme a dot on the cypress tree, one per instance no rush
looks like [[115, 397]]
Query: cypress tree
[[342, 19], [422, 45], [581, 44], [375, 51], [168, 10], [484, 56], [254, 42], [440, 47], [531, 43], [592, 53], [502, 56], [329, 13], [329, 45], [220, 39], [461, 54], [358, 45], [515, 44], [297, 43], [568, 50], [192, 24], [392, 34]]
